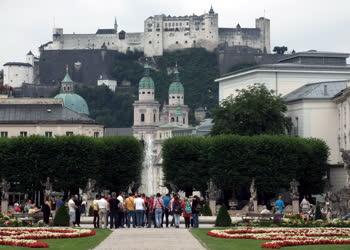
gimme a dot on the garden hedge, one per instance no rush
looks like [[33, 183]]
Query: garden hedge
[[69, 161], [231, 161]]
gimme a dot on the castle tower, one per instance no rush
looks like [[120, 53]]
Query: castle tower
[[263, 24], [153, 36], [30, 58], [211, 29], [177, 111], [146, 109], [115, 25], [57, 38]]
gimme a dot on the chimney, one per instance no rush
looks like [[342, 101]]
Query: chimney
[[325, 90]]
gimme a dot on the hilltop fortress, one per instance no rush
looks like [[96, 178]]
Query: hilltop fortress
[[167, 33]]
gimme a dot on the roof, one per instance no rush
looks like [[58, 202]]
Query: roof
[[285, 67], [74, 102], [105, 31], [118, 132], [315, 53], [18, 64], [29, 53], [29, 101], [33, 114], [146, 81], [319, 90]]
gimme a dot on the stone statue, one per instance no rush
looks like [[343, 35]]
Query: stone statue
[[90, 187], [253, 192], [48, 187], [5, 187], [294, 189], [130, 187], [212, 191], [346, 158]]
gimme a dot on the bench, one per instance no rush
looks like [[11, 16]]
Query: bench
[[35, 217], [257, 216]]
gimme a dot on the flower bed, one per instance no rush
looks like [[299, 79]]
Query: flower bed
[[283, 237], [28, 236]]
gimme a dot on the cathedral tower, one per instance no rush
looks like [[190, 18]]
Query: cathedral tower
[[146, 109]]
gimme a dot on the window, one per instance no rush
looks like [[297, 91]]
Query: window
[[149, 92], [48, 134], [154, 117], [3, 134], [172, 119], [183, 120], [96, 134], [142, 117], [69, 133], [23, 133], [150, 42], [177, 42], [186, 42], [177, 119]]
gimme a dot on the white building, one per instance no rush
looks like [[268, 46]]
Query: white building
[[166, 33], [43, 116], [17, 73], [289, 74], [107, 81]]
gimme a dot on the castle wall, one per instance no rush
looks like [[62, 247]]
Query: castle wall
[[16, 75]]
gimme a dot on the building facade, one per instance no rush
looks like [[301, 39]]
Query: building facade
[[289, 74], [166, 33]]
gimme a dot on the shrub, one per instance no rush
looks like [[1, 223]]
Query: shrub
[[206, 211], [318, 214], [91, 211], [223, 218], [61, 217]]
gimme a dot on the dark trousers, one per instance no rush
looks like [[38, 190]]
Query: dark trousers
[[113, 219], [150, 218], [187, 222], [120, 219], [77, 216], [96, 220], [166, 215]]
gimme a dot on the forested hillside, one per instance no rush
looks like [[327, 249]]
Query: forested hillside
[[198, 69]]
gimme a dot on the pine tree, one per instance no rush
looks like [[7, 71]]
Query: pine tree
[[223, 219]]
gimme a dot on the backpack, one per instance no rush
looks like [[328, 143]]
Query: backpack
[[177, 208], [188, 208]]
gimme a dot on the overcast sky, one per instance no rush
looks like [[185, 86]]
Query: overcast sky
[[298, 24]]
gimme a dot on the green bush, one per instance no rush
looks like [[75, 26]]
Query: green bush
[[61, 217], [223, 218], [206, 211], [318, 214], [91, 211]]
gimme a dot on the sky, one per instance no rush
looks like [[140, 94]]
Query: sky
[[298, 24]]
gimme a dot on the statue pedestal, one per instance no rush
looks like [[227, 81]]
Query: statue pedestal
[[212, 205], [295, 207], [255, 203], [4, 206]]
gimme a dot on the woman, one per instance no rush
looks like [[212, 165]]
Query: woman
[[158, 206], [187, 211], [46, 211], [177, 210]]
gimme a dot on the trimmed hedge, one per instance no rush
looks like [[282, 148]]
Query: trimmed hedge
[[114, 162], [232, 161], [61, 217], [223, 218]]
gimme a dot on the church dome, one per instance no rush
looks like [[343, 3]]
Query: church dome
[[71, 100], [146, 81], [176, 88], [74, 102]]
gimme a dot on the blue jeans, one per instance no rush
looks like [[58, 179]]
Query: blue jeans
[[131, 214], [139, 218], [177, 219], [195, 220], [158, 216]]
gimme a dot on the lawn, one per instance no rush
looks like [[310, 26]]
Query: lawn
[[213, 243], [75, 243]]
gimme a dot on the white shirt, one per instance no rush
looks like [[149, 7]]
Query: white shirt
[[139, 203], [102, 203], [120, 198], [71, 205]]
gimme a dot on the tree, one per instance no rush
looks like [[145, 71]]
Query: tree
[[253, 111], [280, 50]]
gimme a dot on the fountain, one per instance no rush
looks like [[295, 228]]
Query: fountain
[[148, 178]]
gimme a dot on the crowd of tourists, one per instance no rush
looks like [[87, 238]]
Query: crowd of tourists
[[139, 210]]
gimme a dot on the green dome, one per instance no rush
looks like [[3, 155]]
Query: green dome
[[74, 102], [146, 82], [176, 88]]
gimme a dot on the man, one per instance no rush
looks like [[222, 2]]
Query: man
[[113, 206], [95, 212], [78, 202], [71, 209], [130, 209], [166, 201], [121, 210], [279, 205], [196, 208], [139, 210], [158, 206], [103, 209]]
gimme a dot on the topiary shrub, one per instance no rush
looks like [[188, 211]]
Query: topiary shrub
[[223, 219], [61, 217], [206, 211], [91, 211]]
